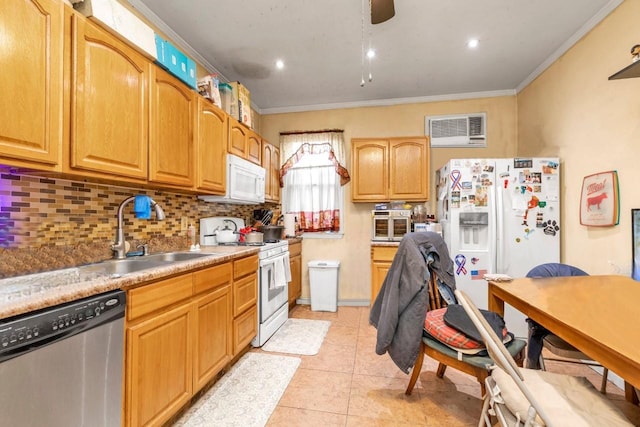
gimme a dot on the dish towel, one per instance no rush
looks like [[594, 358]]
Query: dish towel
[[142, 206], [281, 272]]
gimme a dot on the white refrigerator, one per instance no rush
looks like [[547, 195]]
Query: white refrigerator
[[499, 216]]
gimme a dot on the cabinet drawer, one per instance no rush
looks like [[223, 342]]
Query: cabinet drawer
[[146, 299], [211, 278], [383, 253], [245, 328], [245, 294], [245, 266]]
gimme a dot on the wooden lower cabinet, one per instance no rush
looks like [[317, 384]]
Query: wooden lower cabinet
[[245, 302], [179, 336], [159, 366], [245, 328], [381, 259], [213, 338], [295, 264]]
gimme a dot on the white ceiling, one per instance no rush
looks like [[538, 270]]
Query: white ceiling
[[421, 52]]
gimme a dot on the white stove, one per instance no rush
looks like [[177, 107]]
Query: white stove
[[274, 275]]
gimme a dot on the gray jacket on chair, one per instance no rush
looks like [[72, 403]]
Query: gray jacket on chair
[[401, 306]]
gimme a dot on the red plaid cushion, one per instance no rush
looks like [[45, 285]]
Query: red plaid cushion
[[435, 326]]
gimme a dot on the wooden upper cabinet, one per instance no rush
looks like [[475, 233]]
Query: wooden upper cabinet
[[408, 169], [369, 170], [390, 169], [31, 86], [271, 162], [254, 147], [237, 138], [211, 148], [243, 142], [109, 104], [171, 143]]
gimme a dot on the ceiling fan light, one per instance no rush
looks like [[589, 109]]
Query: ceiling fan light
[[382, 10]]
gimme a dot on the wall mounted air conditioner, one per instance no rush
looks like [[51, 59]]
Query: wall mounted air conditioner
[[464, 130]]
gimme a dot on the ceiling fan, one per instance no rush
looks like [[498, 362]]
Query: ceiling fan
[[381, 10]]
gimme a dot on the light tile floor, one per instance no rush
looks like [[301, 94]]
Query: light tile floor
[[348, 384]]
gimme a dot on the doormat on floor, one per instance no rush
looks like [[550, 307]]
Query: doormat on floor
[[298, 336], [246, 395]]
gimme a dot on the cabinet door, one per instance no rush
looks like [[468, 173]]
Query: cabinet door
[[381, 259], [245, 294], [159, 371], [109, 104], [213, 339], [295, 286], [254, 147], [245, 328], [237, 138], [408, 169], [31, 83], [369, 163], [275, 174], [211, 148], [173, 110], [267, 163]]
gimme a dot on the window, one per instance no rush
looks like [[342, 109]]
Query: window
[[313, 177]]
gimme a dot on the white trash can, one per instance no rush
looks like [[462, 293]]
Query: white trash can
[[323, 283]]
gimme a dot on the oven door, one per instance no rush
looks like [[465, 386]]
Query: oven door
[[275, 275], [380, 228]]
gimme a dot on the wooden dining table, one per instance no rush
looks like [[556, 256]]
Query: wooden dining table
[[599, 315]]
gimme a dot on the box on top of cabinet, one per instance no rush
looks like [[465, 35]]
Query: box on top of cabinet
[[225, 96], [176, 62], [240, 103], [123, 22]]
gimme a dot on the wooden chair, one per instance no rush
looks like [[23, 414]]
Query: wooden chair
[[474, 365]]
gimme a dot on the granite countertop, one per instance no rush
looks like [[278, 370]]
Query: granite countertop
[[23, 294]]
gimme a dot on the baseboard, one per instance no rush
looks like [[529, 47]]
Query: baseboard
[[343, 303]]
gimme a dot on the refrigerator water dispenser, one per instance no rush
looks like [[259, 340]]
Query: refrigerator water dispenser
[[474, 230]]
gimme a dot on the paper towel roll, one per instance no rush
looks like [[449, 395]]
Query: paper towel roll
[[289, 225]]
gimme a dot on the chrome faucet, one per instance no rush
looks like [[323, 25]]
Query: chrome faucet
[[118, 247]]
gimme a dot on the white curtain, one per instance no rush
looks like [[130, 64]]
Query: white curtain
[[312, 175], [290, 144]]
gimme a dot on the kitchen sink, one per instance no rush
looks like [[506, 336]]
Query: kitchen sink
[[121, 267], [176, 256]]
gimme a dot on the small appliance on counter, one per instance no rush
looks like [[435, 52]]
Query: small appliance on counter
[[212, 226], [390, 225]]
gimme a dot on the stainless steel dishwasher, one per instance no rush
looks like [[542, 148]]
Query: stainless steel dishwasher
[[62, 366]]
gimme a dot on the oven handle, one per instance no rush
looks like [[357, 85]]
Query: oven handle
[[272, 261]]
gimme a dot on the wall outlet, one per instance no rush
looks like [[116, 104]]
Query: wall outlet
[[184, 223]]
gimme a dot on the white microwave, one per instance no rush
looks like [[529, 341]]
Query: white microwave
[[245, 183]]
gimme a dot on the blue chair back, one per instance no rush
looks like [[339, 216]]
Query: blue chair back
[[554, 269]]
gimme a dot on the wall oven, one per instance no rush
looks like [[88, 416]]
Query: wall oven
[[390, 225], [274, 275]]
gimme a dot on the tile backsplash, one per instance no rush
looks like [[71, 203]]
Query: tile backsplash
[[54, 223]]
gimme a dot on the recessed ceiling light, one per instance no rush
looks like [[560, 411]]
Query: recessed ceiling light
[[371, 53], [473, 43], [279, 64]]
